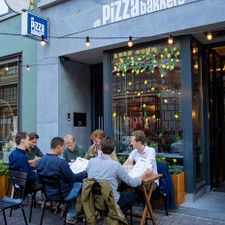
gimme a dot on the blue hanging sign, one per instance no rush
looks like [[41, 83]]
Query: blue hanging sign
[[34, 26]]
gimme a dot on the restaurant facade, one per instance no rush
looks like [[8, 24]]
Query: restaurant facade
[[172, 91]]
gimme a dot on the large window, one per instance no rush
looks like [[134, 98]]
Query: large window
[[9, 73], [147, 96]]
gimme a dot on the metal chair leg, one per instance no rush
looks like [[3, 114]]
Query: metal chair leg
[[24, 216], [10, 214], [4, 217], [43, 211], [165, 204]]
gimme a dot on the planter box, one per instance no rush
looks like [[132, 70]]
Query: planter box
[[178, 183], [3, 185]]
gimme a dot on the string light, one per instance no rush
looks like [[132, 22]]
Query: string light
[[170, 40], [130, 42], [209, 36], [28, 68], [42, 43], [87, 43]]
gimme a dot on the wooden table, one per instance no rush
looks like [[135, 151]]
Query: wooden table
[[147, 187]]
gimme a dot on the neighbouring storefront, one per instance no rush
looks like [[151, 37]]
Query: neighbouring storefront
[[165, 89], [17, 81]]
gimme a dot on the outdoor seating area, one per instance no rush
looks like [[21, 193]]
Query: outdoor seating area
[[57, 209]]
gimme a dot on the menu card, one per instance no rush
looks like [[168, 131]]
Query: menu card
[[79, 165], [139, 168]]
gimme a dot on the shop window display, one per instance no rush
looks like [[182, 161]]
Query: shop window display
[[147, 95]]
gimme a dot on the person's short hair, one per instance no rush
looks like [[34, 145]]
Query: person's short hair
[[20, 136], [97, 134], [33, 135], [69, 137], [107, 145], [56, 141], [139, 136]]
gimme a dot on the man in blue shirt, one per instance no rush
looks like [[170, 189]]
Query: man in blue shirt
[[52, 165], [18, 160]]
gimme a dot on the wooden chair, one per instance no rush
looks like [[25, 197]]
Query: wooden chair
[[16, 192]]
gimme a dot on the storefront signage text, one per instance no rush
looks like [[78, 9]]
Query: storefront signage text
[[5, 121], [34, 26], [124, 9]]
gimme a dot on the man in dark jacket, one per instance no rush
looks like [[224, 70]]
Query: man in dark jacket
[[18, 160], [52, 165]]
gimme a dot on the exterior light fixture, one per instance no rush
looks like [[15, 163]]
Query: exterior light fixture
[[28, 68], [130, 42], [87, 43], [42, 43], [209, 36], [170, 40]]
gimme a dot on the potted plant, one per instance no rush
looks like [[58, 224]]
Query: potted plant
[[177, 176], [4, 169]]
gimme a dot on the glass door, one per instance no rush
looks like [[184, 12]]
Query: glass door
[[216, 117]]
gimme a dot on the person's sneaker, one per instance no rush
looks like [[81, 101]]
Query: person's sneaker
[[71, 220]]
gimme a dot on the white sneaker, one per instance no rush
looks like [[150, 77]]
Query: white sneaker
[[71, 220]]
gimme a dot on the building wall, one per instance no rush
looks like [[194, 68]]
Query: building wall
[[62, 88], [9, 45], [74, 21], [74, 96]]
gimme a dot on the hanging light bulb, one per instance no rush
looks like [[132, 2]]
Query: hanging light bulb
[[28, 68], [170, 40], [130, 42], [209, 36], [42, 43], [87, 43]]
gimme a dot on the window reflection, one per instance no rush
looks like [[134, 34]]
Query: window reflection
[[9, 70], [147, 96]]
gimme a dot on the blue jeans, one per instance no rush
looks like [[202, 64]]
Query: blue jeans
[[72, 195], [126, 200]]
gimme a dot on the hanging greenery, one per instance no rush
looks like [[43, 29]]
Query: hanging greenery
[[162, 59]]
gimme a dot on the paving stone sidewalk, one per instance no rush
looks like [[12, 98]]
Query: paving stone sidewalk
[[174, 218]]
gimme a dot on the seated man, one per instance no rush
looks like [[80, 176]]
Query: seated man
[[95, 149], [141, 151], [52, 165], [72, 150], [112, 171], [18, 160], [33, 153]]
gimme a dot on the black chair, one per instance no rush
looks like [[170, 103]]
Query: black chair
[[32, 189], [53, 182], [165, 188], [16, 192]]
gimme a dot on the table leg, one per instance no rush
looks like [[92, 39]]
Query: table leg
[[148, 208]]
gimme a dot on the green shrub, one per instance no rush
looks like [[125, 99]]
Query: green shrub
[[4, 168]]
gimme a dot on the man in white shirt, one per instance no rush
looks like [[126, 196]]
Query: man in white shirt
[[141, 151]]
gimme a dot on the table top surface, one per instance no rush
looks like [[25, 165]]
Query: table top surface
[[152, 178]]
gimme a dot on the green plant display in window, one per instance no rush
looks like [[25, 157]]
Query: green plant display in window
[[4, 168], [162, 59]]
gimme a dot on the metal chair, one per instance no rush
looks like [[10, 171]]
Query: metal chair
[[53, 182], [165, 188], [16, 192]]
